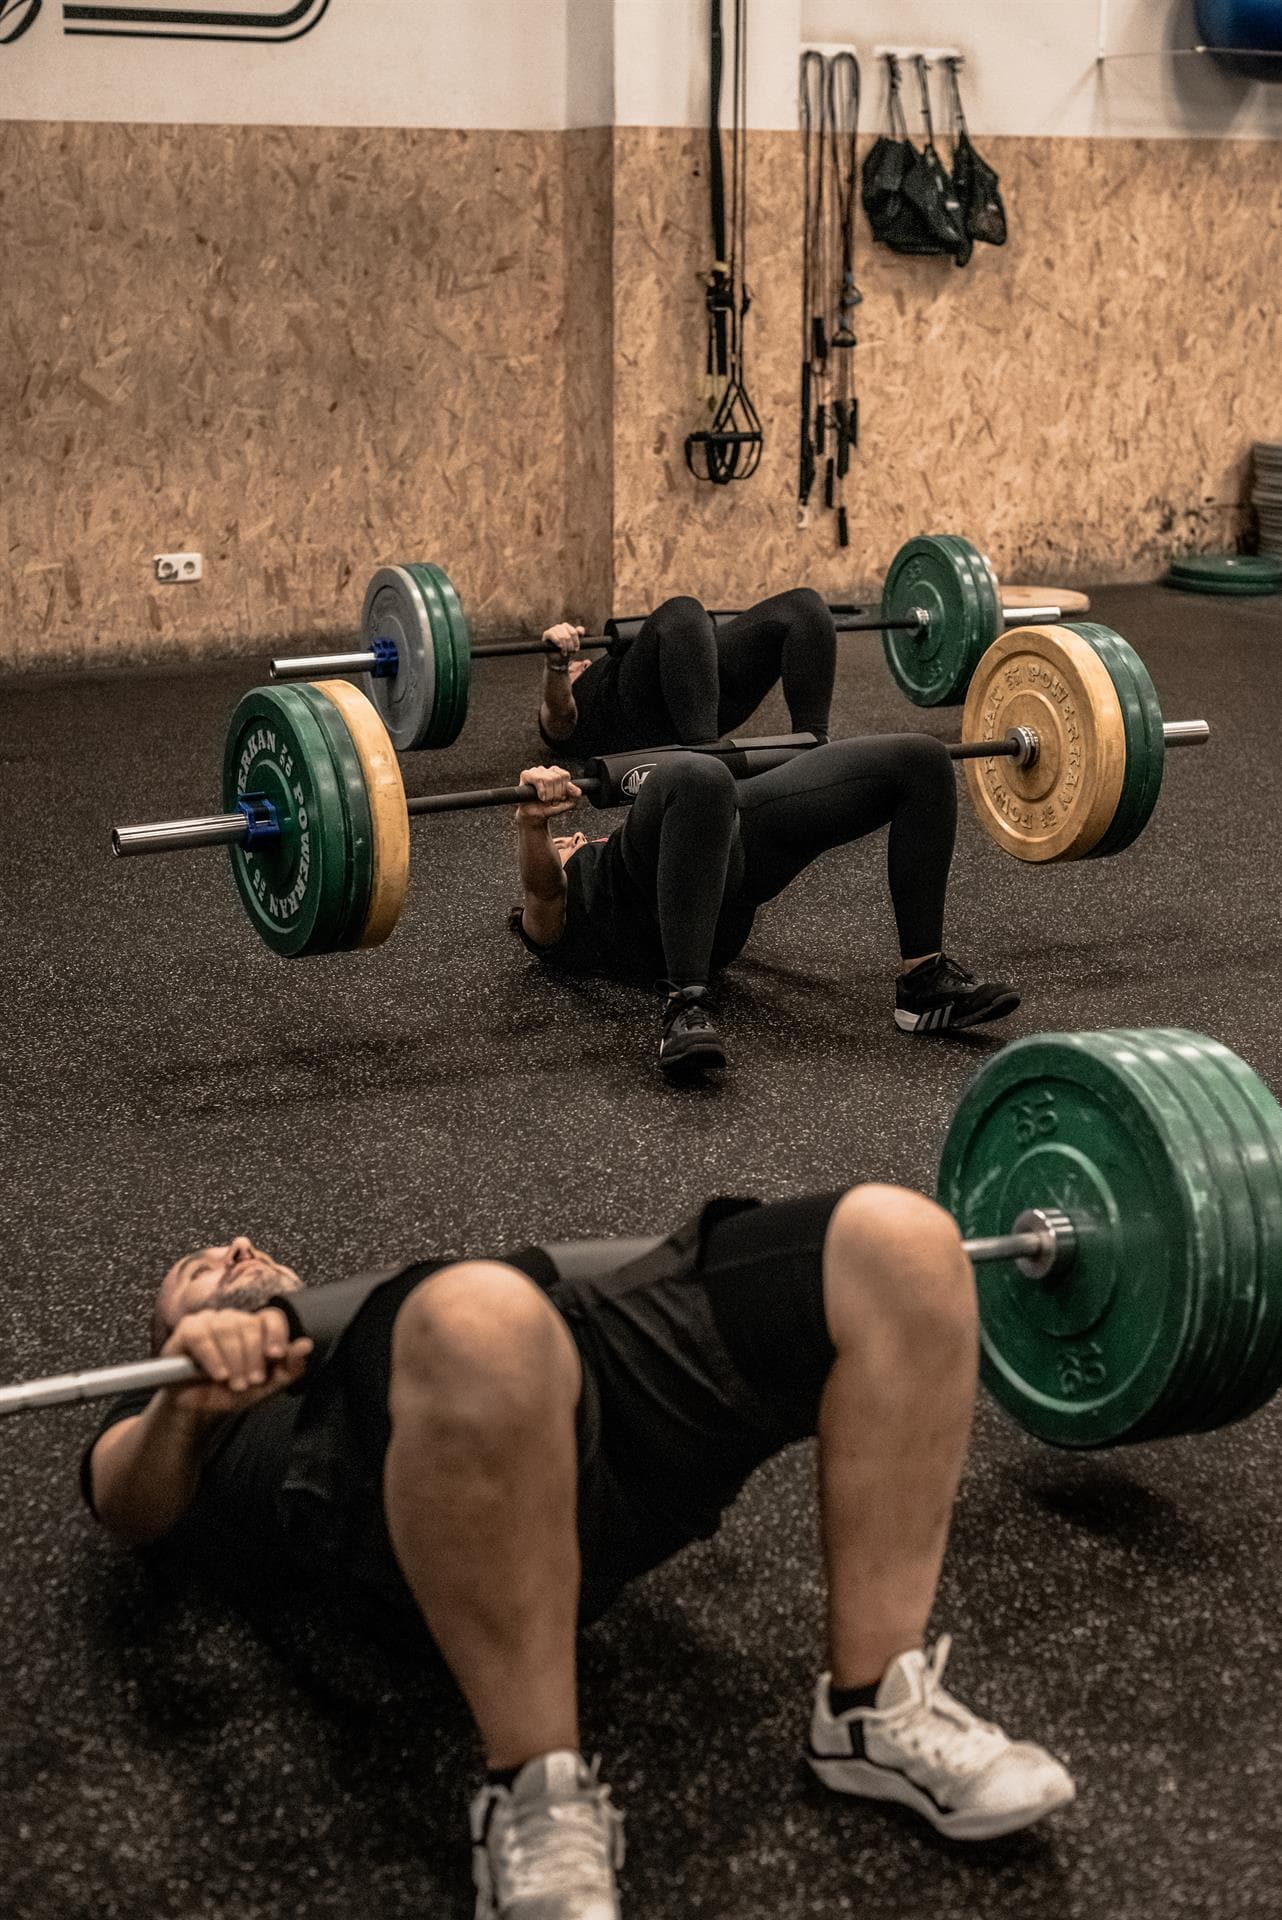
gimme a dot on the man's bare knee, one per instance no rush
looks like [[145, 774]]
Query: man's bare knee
[[896, 1256], [480, 1343]]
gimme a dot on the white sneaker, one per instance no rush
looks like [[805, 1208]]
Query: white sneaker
[[547, 1847], [924, 1749]]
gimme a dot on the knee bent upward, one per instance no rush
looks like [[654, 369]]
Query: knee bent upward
[[898, 1255], [806, 607], [797, 607], [682, 773], [913, 760], [681, 611], [926, 760], [479, 1343]]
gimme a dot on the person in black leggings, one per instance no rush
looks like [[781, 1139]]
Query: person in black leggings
[[681, 681], [673, 892]]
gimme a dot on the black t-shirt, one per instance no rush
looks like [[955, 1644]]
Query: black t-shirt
[[290, 1472], [610, 925], [250, 1450], [701, 1355], [600, 725]]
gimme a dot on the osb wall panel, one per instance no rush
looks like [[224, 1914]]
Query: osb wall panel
[[1081, 402], [588, 341], [306, 351], [301, 351]]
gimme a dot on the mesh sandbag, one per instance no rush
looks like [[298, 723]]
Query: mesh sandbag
[[908, 195], [975, 184]]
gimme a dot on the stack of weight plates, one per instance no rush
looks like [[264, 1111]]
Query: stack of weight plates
[[1266, 494], [333, 875], [1145, 736], [424, 704], [1165, 1151], [1235, 574], [950, 580]]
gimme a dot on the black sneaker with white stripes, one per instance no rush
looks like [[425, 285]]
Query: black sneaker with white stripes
[[939, 994]]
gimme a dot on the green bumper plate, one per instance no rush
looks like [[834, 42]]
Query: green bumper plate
[[1227, 573], [294, 888], [984, 575], [350, 775], [1214, 1343], [407, 701], [1077, 1121], [462, 647], [934, 574], [453, 654], [1257, 1120], [1145, 740]]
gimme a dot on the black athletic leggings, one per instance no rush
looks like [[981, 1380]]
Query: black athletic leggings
[[683, 679], [706, 850]]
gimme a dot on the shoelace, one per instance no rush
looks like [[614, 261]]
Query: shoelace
[[949, 974], [695, 1018], [939, 1728], [553, 1847], [692, 1012]]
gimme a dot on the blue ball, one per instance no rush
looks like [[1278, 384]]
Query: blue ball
[[1255, 25]]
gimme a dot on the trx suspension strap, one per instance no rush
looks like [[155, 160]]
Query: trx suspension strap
[[843, 129], [729, 448], [828, 109], [814, 341]]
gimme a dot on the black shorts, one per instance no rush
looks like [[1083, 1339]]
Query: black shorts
[[700, 1361]]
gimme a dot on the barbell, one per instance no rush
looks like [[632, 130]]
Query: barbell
[[1062, 737], [1120, 1196], [941, 606]]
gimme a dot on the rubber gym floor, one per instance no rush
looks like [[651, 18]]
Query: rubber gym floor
[[168, 1080]]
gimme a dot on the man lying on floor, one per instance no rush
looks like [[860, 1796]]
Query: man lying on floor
[[672, 894], [499, 1446]]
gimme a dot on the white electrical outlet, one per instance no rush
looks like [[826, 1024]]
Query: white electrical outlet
[[179, 567]]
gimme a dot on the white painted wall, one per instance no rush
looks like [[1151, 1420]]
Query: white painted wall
[[661, 62], [589, 63], [367, 63], [1032, 67]]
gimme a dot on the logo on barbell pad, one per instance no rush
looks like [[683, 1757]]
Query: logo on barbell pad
[[15, 17], [635, 778]]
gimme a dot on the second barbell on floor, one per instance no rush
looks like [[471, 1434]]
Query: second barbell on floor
[[941, 606], [1063, 742]]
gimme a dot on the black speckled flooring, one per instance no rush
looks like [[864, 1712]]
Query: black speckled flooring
[[165, 1081]]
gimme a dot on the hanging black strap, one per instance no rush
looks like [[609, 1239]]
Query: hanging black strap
[[814, 348], [719, 296], [956, 112], [923, 88], [843, 114], [843, 124], [729, 448], [828, 115], [894, 104]]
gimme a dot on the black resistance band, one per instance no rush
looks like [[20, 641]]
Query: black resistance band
[[843, 140], [814, 339], [828, 111], [730, 447]]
